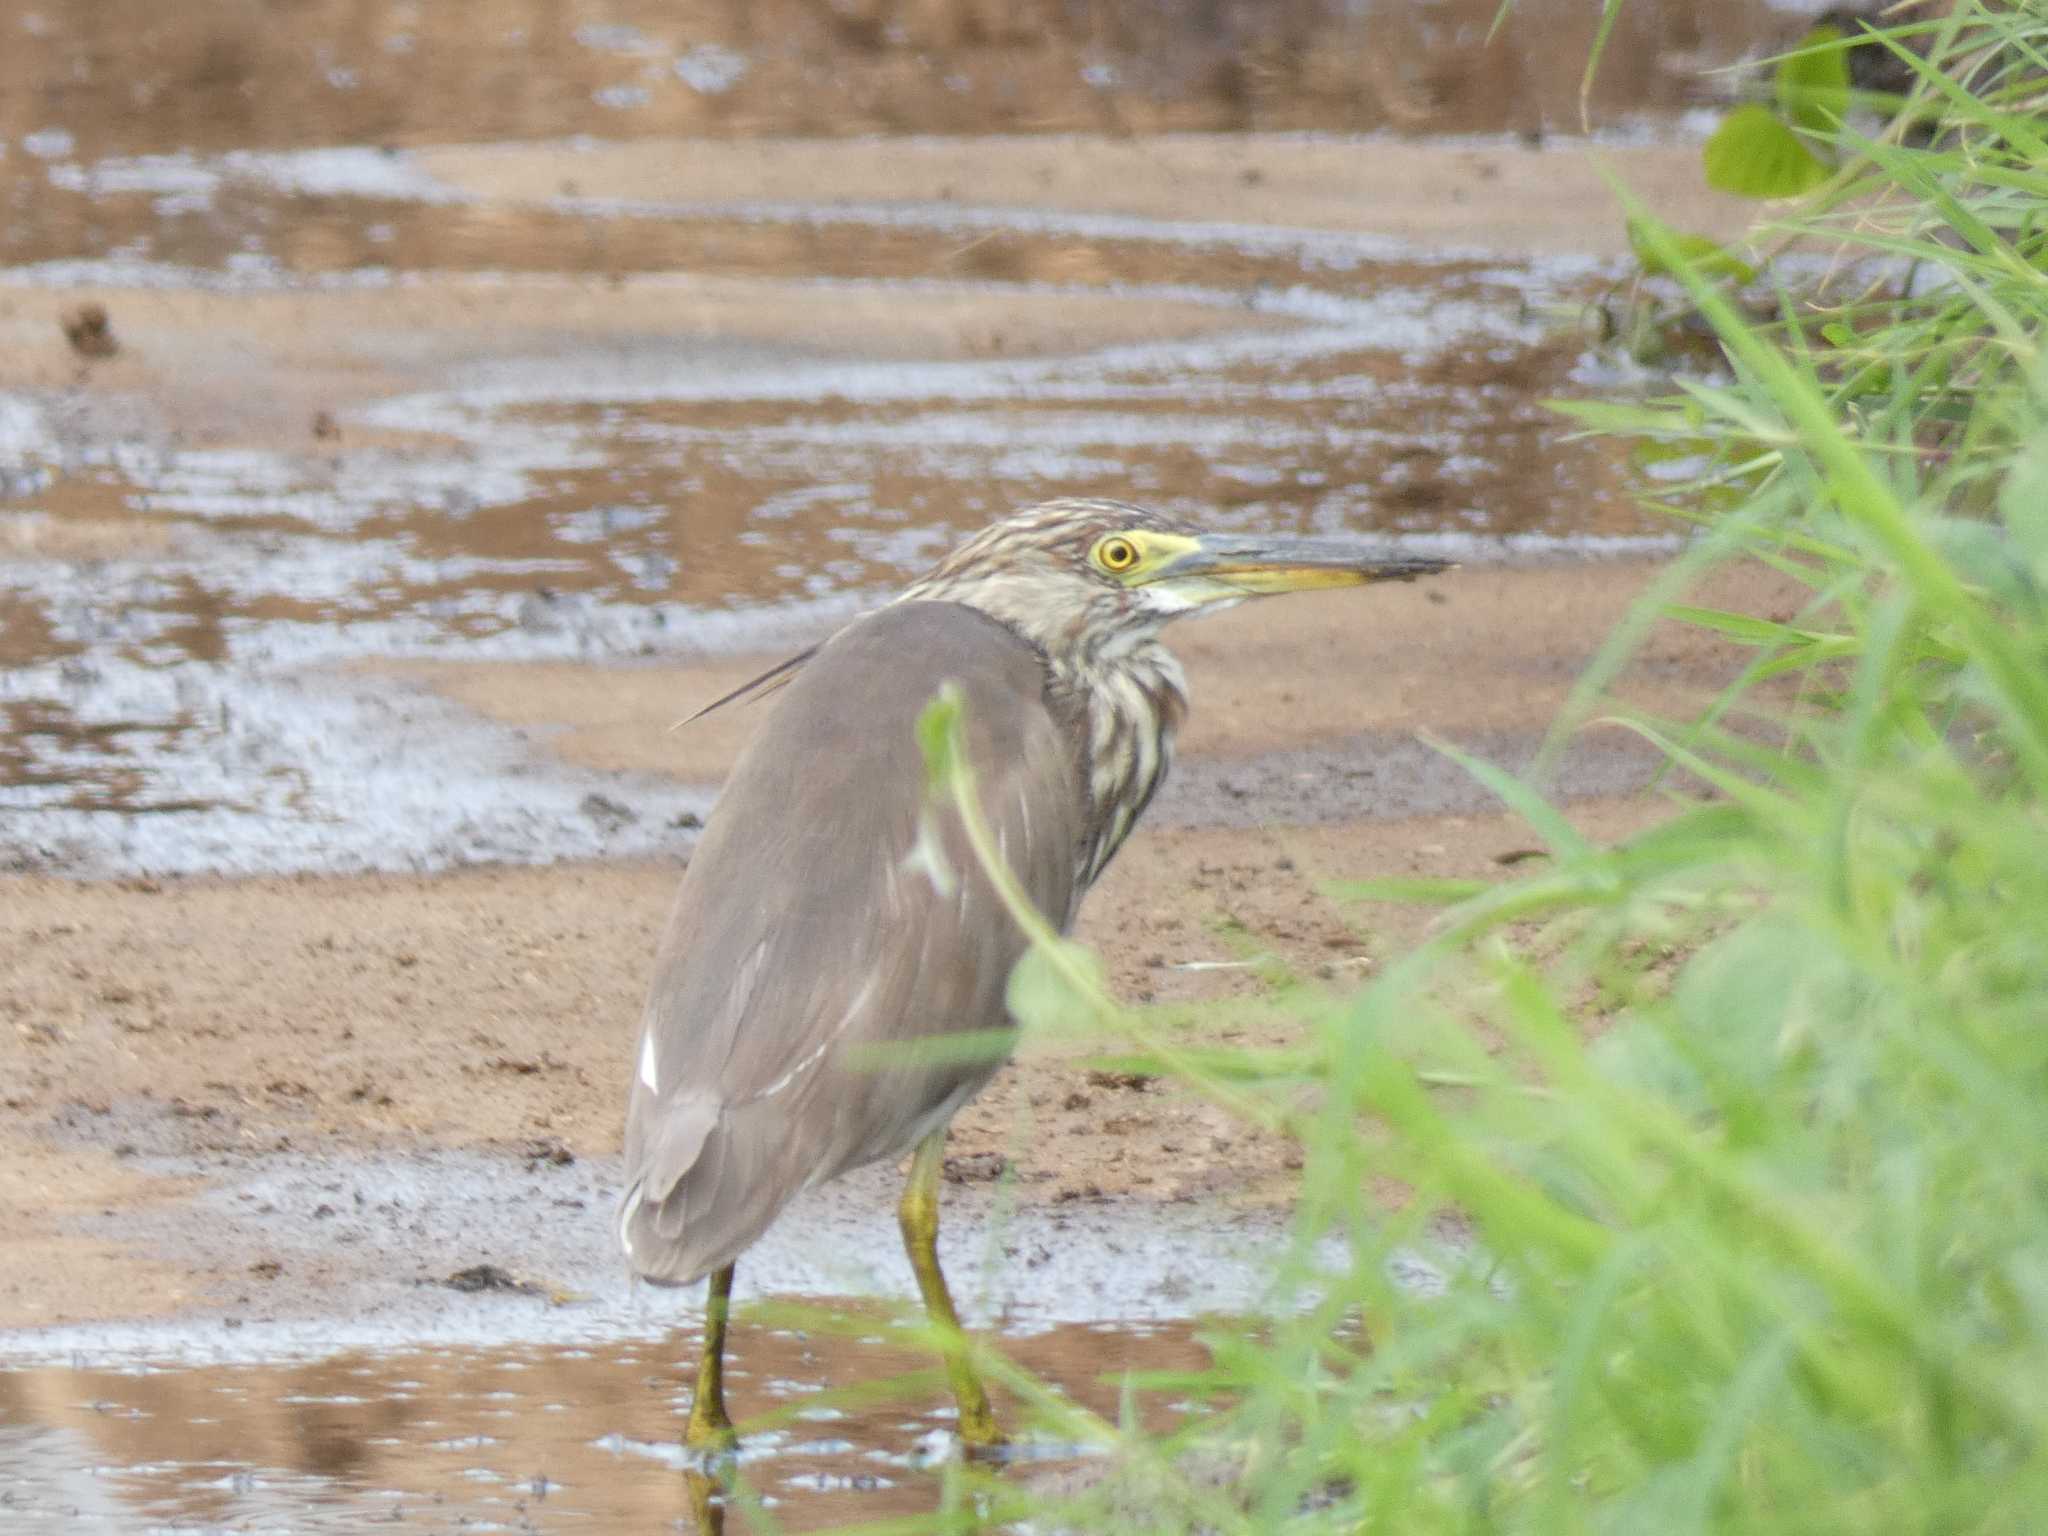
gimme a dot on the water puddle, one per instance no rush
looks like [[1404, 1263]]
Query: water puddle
[[565, 1438], [173, 615], [446, 1340]]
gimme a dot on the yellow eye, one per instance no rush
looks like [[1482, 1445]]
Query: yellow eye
[[1116, 554]]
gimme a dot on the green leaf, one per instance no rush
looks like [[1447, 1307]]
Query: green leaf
[[965, 1047], [1544, 819], [1812, 85], [1704, 256], [1610, 10], [1753, 154], [941, 729], [1630, 420], [2024, 503], [1048, 988], [1422, 890], [1733, 995], [1747, 628]]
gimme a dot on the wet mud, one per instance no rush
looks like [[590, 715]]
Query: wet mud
[[174, 612], [344, 1251], [428, 1341], [431, 1342]]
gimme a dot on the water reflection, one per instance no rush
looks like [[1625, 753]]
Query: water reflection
[[529, 1439]]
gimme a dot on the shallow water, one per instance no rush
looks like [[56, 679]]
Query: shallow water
[[529, 1438], [609, 499], [349, 1386]]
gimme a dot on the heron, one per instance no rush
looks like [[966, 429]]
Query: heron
[[807, 933]]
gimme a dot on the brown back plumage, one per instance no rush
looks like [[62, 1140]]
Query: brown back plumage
[[774, 1050]]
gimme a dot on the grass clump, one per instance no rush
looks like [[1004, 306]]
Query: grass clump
[[1727, 1147]]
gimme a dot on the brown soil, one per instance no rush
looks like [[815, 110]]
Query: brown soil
[[263, 368], [1480, 196]]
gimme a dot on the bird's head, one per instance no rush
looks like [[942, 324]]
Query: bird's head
[[1089, 581]]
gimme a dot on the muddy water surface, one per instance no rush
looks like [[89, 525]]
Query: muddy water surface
[[441, 1341], [581, 1438], [528, 492]]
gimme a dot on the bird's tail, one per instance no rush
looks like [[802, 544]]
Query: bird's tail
[[663, 1144], [697, 1193]]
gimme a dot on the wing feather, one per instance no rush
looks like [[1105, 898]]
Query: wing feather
[[805, 961]]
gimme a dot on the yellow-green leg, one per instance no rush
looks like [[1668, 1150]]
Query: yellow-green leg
[[918, 1215], [709, 1429]]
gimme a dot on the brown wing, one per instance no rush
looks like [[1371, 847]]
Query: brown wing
[[808, 948]]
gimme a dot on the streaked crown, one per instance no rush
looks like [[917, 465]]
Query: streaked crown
[[1059, 574]]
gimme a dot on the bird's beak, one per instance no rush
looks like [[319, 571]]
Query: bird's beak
[[1223, 567]]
